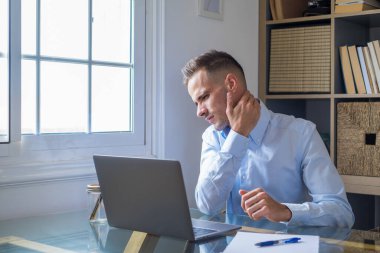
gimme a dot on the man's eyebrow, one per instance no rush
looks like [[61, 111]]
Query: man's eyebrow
[[200, 96]]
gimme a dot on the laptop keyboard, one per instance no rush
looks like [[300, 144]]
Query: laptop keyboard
[[202, 231]]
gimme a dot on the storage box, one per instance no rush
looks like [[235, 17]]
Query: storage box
[[358, 138], [300, 59]]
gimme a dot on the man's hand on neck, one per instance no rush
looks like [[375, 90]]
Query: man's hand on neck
[[244, 114]]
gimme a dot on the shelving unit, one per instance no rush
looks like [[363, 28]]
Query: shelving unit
[[346, 29]]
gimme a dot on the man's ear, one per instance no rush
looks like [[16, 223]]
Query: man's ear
[[231, 82]]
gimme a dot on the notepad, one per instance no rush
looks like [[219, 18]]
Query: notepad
[[245, 242]]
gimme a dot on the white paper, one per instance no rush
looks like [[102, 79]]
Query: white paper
[[245, 242]]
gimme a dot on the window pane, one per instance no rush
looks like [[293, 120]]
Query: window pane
[[111, 99], [4, 102], [64, 97], [28, 27], [64, 28], [28, 97], [3, 27], [4, 84], [111, 38]]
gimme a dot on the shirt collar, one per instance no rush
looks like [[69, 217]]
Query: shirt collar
[[257, 134]]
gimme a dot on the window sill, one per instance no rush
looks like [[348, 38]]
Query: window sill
[[34, 167], [36, 173]]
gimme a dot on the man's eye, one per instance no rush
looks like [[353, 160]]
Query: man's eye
[[205, 97]]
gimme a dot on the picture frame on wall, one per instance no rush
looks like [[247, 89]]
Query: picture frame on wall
[[211, 9]]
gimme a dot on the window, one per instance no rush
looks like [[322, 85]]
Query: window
[[82, 76], [4, 73], [77, 67]]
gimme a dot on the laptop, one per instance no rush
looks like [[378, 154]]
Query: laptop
[[149, 195]]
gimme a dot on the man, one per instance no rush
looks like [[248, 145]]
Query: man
[[263, 164]]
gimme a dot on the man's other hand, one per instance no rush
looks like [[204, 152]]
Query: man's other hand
[[258, 204]]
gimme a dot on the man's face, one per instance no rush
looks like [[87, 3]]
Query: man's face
[[210, 96]]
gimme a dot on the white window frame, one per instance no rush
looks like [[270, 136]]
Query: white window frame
[[71, 148], [5, 57]]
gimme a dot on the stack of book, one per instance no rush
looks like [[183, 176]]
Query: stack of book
[[283, 9], [361, 68], [344, 6]]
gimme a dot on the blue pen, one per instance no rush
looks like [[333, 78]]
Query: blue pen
[[276, 242]]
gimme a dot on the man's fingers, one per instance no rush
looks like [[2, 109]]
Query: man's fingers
[[245, 98], [255, 209], [252, 193], [260, 213], [242, 192], [258, 204], [230, 103], [247, 197], [255, 199], [248, 102]]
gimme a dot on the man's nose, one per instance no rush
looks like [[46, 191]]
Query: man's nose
[[201, 111]]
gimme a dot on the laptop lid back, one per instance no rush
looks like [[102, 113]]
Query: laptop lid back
[[145, 195]]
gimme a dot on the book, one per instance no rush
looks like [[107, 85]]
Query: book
[[356, 70], [375, 63], [346, 69], [345, 8], [370, 70], [363, 67], [374, 3], [376, 46], [290, 8], [273, 9]]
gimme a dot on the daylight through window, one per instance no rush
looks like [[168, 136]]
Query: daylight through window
[[77, 70]]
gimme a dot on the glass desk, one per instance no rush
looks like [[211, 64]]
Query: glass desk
[[72, 232]]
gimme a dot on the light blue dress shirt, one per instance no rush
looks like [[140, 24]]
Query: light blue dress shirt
[[283, 155]]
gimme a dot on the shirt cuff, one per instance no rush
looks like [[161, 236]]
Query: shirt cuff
[[235, 144], [298, 214]]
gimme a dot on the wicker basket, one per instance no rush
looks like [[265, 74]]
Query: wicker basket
[[358, 144], [300, 60]]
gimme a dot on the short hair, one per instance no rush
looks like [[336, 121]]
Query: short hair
[[212, 61]]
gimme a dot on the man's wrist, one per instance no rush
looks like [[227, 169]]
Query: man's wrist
[[235, 144], [287, 214], [241, 131]]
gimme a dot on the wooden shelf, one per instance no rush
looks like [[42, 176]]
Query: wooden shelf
[[362, 185], [298, 20], [298, 96], [346, 29], [369, 96], [320, 96], [356, 14]]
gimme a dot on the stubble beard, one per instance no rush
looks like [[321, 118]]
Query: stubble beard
[[221, 125]]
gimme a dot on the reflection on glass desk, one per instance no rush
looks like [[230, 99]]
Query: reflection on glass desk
[[72, 232]]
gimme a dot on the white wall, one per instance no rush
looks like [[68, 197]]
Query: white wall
[[186, 36]]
